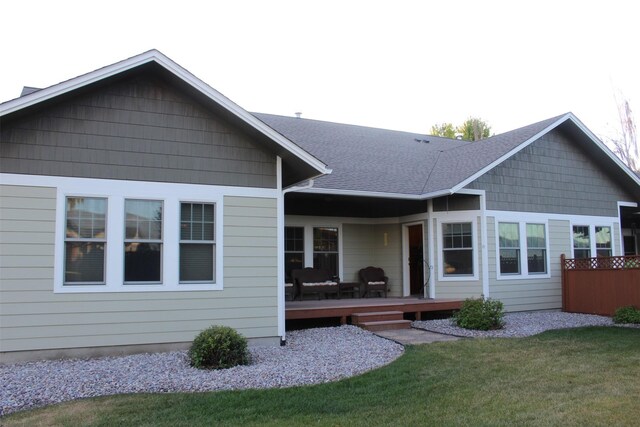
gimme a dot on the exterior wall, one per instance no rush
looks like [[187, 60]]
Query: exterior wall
[[33, 317], [138, 129], [358, 243], [452, 287], [551, 175], [389, 256]]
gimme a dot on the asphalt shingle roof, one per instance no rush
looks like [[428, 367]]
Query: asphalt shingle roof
[[387, 161]]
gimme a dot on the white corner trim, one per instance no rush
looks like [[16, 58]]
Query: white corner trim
[[280, 252]]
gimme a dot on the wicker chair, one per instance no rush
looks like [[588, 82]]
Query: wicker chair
[[315, 281], [372, 279]]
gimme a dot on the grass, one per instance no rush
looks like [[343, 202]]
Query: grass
[[586, 376]]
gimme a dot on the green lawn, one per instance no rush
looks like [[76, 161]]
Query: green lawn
[[588, 376]]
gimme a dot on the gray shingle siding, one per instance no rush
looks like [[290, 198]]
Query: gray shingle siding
[[551, 175], [137, 129]]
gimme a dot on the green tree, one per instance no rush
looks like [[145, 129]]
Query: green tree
[[473, 129], [445, 130]]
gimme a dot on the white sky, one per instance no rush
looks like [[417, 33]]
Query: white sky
[[395, 64]]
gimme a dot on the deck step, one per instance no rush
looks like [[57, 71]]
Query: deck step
[[376, 316], [385, 325]]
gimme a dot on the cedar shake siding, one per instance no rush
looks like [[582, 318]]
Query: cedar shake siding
[[552, 175], [138, 128]]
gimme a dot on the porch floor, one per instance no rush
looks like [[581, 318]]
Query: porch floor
[[344, 308]]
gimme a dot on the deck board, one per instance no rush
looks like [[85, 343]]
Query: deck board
[[344, 308]]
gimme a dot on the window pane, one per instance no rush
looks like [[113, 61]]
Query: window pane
[[457, 236], [581, 237], [197, 262], [84, 262], [197, 221], [509, 235], [326, 261], [509, 261], [143, 219], [537, 260], [581, 253], [86, 217], [325, 239], [142, 262], [603, 237], [535, 236], [294, 239], [458, 262]]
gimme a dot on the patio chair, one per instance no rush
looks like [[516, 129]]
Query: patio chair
[[372, 279], [315, 281]]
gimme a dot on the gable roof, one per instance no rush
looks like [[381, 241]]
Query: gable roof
[[385, 163], [306, 165]]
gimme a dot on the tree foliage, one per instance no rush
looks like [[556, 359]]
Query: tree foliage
[[626, 144], [473, 129]]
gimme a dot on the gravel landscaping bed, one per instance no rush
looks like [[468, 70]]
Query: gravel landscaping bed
[[519, 324], [311, 356]]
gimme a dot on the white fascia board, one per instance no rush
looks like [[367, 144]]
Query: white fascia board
[[182, 73], [379, 194], [504, 157]]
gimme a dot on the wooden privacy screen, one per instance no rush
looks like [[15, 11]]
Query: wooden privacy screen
[[600, 285]]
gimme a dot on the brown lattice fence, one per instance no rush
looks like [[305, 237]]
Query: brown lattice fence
[[600, 285]]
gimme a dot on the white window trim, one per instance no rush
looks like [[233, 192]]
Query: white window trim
[[116, 192], [592, 234], [213, 242], [456, 218], [522, 229]]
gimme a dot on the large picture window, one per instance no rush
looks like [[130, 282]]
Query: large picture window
[[325, 249], [293, 250], [143, 241], [457, 249], [85, 240], [509, 238], [197, 242]]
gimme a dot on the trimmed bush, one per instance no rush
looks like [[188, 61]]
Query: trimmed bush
[[628, 314], [481, 314], [219, 347]]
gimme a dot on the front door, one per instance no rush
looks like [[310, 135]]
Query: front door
[[416, 260]]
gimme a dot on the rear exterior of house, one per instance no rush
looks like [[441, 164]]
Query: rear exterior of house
[[138, 206], [501, 234], [135, 213]]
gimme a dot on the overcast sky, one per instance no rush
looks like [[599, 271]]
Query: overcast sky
[[402, 65]]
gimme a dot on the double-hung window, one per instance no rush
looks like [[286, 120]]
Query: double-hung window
[[457, 249], [603, 241], [143, 241], [293, 250], [197, 243], [509, 238], [325, 249], [581, 241], [85, 240], [536, 248]]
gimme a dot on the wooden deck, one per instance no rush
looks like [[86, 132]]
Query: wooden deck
[[344, 308]]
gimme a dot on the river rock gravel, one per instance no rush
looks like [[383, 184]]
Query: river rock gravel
[[311, 356], [518, 324]]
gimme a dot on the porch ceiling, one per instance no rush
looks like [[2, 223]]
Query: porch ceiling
[[350, 206]]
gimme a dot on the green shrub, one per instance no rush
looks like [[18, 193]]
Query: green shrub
[[482, 314], [628, 314], [219, 347]]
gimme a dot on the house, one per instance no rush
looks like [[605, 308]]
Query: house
[[138, 206]]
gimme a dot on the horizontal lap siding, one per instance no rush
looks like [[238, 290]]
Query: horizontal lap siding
[[32, 317], [534, 293], [389, 257], [139, 129], [357, 246], [551, 175]]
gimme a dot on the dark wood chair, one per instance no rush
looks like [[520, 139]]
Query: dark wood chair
[[315, 281], [372, 279]]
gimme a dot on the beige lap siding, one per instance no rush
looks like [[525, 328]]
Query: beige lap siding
[[32, 317]]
